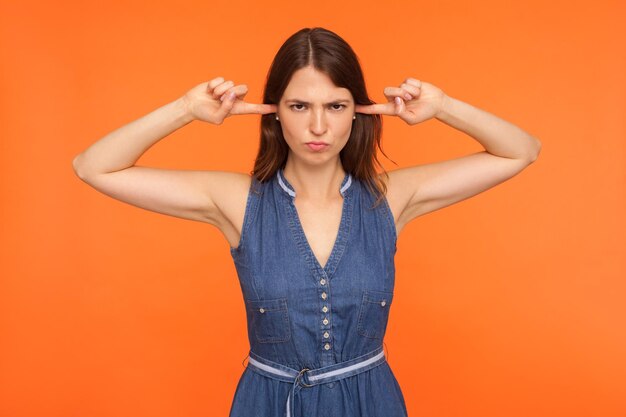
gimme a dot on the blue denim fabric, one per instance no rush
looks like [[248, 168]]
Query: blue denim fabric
[[302, 315]]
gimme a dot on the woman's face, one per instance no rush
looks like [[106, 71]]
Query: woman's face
[[313, 109]]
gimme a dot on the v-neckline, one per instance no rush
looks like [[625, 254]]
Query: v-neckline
[[308, 244], [341, 236]]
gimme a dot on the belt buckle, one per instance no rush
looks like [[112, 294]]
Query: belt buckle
[[300, 374]]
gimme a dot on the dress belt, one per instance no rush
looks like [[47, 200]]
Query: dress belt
[[311, 377]]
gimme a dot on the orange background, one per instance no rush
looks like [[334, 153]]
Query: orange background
[[509, 304]]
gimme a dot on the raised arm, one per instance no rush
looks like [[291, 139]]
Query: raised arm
[[108, 165], [424, 188]]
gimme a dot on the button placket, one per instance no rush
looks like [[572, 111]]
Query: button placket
[[324, 295]]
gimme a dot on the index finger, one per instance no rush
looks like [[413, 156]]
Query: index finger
[[387, 108], [253, 108]]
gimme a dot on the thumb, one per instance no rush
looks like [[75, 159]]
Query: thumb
[[228, 101], [399, 105]]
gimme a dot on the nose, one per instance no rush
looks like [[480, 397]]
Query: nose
[[318, 122]]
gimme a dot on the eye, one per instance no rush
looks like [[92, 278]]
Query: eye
[[294, 105], [341, 106]]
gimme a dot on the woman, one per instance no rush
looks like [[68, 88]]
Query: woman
[[313, 230]]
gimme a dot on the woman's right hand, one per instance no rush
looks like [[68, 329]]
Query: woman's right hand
[[215, 100]]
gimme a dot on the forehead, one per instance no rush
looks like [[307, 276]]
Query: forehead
[[308, 83]]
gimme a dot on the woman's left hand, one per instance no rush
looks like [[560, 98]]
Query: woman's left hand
[[414, 102]]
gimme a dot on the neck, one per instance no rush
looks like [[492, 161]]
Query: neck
[[315, 182]]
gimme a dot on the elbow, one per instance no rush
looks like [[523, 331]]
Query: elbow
[[534, 154], [76, 166], [537, 149]]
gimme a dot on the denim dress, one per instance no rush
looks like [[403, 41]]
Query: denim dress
[[301, 315]]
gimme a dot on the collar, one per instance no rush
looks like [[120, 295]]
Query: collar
[[287, 188]]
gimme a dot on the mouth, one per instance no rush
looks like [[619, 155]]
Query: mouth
[[317, 146]]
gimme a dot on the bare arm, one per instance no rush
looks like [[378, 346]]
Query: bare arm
[[508, 150], [108, 165], [498, 136], [421, 189], [121, 148]]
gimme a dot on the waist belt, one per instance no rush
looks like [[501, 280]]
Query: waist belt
[[311, 377]]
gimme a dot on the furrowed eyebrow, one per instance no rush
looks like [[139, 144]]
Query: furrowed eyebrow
[[306, 102]]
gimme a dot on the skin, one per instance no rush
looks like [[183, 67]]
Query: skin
[[218, 197], [315, 175], [412, 191], [314, 109]]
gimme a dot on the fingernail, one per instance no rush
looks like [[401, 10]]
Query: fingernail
[[407, 96], [232, 95], [398, 100]]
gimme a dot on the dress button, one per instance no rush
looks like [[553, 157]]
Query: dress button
[[325, 309], [323, 281], [325, 321], [326, 335], [262, 310], [327, 346], [324, 295], [383, 303]]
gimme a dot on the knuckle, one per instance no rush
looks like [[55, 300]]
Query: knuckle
[[216, 81], [219, 90], [221, 86]]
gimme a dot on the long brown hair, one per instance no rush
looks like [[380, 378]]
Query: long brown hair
[[329, 53]]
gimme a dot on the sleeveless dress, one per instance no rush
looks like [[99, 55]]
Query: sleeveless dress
[[301, 315]]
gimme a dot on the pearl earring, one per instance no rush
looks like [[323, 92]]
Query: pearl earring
[[276, 117], [353, 117]]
